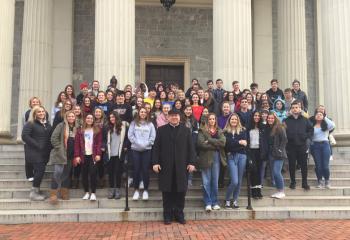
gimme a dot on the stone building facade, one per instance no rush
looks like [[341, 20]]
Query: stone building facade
[[207, 32]]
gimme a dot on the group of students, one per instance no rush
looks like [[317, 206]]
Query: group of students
[[92, 133]]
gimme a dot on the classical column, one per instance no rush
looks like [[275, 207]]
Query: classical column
[[115, 41], [334, 26], [291, 62], [232, 42], [7, 18], [36, 59]]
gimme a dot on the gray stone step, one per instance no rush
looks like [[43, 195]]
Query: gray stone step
[[12, 148], [19, 167], [23, 183], [155, 202], [156, 214], [23, 193]]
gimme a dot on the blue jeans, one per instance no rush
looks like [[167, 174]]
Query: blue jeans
[[277, 173], [321, 153], [237, 165], [263, 168], [142, 163], [210, 178]]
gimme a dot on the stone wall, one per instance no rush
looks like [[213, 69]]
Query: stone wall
[[185, 32], [17, 49]]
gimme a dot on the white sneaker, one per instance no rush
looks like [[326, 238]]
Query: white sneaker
[[86, 196], [141, 186], [331, 158], [274, 195], [327, 184], [31, 179], [216, 207], [136, 195], [208, 208], [280, 195], [145, 195], [93, 197]]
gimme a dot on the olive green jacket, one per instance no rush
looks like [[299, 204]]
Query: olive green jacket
[[207, 147]]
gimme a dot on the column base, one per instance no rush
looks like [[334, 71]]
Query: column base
[[343, 139], [6, 138]]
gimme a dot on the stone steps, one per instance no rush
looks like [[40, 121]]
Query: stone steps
[[156, 214], [23, 193]]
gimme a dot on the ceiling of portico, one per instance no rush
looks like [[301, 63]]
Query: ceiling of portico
[[179, 3]]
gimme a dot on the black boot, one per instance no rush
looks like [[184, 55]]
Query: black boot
[[258, 190]]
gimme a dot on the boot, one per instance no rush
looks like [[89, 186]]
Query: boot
[[76, 186], [254, 193], [118, 194], [111, 193], [74, 183], [64, 193], [53, 197], [35, 195]]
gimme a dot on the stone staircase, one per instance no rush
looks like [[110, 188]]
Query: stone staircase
[[15, 207]]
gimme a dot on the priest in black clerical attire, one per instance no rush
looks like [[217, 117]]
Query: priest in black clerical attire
[[173, 158]]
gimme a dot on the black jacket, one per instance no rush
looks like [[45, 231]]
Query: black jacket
[[278, 148], [301, 96], [232, 142], [274, 95], [37, 142], [124, 111], [299, 131], [173, 150]]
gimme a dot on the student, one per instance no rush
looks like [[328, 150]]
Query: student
[[162, 118], [211, 143], [299, 133], [210, 103], [123, 109], [197, 108], [277, 141], [300, 95], [279, 109], [103, 103], [61, 98], [110, 96], [152, 93], [36, 136], [141, 135], [210, 86], [288, 99], [62, 155], [115, 142], [218, 92], [200, 93], [230, 98], [87, 152], [178, 105], [254, 88], [236, 141], [95, 88], [194, 85], [225, 109], [251, 102], [69, 90], [237, 93], [67, 106], [84, 91], [274, 92], [257, 153], [78, 115], [87, 106], [244, 113], [320, 147], [157, 108]]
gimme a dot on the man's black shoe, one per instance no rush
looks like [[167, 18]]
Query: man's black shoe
[[167, 221], [306, 187], [292, 186], [180, 220]]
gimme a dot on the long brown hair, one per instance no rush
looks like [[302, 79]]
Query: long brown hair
[[96, 129], [117, 126], [137, 117], [206, 125], [63, 109], [276, 126]]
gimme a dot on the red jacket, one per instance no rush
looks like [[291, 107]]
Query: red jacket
[[79, 145]]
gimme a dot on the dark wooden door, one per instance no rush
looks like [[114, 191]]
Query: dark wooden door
[[165, 73]]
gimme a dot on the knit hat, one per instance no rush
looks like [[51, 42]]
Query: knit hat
[[83, 85]]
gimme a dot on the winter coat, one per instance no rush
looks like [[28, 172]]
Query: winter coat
[[173, 150], [278, 148], [301, 96], [36, 137], [207, 146], [299, 130], [123, 141], [58, 154], [281, 114], [79, 145], [274, 95]]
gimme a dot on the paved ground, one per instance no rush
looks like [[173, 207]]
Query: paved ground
[[255, 230]]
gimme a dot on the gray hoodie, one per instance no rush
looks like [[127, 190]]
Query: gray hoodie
[[141, 136]]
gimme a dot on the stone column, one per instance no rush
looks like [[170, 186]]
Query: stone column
[[232, 42], [291, 62], [36, 59], [7, 18], [115, 41], [334, 26]]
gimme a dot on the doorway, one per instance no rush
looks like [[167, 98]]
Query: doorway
[[164, 73]]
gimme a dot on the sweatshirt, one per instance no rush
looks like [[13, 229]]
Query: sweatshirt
[[141, 135]]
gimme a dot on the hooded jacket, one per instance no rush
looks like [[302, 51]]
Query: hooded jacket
[[281, 114]]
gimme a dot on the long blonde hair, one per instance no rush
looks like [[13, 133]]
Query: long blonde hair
[[228, 128], [33, 112]]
